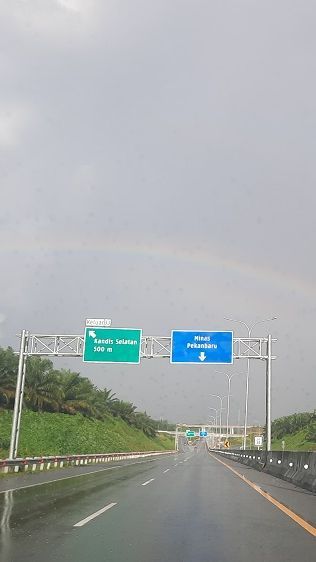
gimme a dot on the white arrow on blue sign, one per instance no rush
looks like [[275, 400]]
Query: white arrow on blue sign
[[196, 347]]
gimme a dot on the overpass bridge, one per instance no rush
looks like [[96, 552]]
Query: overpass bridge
[[215, 433], [233, 430]]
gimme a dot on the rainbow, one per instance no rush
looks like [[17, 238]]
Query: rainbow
[[268, 276]]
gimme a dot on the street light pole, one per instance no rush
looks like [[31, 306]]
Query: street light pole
[[211, 438], [228, 403], [229, 378], [249, 329], [216, 417], [212, 421], [221, 398]]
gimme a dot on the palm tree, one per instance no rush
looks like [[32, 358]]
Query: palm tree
[[79, 394], [8, 370], [43, 389], [145, 423], [124, 410], [103, 401]]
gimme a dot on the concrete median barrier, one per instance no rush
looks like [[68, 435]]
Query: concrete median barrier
[[299, 468]]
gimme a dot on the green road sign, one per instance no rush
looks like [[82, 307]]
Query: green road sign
[[112, 345], [190, 433]]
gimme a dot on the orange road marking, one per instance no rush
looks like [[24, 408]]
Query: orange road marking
[[299, 520]]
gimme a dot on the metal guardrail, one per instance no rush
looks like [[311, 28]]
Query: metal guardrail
[[60, 461]]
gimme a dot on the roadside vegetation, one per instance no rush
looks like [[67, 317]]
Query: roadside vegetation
[[298, 431], [236, 442], [58, 399], [43, 433]]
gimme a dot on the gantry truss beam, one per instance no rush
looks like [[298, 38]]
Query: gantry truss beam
[[62, 345]]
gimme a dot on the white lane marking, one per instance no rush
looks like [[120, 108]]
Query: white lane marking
[[175, 464], [180, 462], [94, 515], [167, 470], [148, 482], [74, 476]]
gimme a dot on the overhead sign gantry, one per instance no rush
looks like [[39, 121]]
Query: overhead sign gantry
[[130, 346]]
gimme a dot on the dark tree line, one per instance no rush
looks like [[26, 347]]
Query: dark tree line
[[294, 423], [51, 390]]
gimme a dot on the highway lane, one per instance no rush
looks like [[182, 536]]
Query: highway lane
[[14, 481], [300, 500], [183, 508]]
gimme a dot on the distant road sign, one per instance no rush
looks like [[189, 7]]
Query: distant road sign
[[258, 441], [190, 433], [201, 347], [203, 433], [100, 322], [112, 345]]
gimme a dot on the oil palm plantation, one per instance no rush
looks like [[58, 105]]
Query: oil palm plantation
[[43, 389], [8, 370], [124, 410], [51, 390], [78, 395]]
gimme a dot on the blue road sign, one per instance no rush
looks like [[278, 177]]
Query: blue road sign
[[203, 433], [189, 346]]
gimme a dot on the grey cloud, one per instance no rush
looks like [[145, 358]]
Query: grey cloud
[[148, 142]]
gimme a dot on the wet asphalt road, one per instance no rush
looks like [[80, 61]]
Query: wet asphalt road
[[179, 508]]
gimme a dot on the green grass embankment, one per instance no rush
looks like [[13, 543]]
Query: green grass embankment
[[236, 442], [61, 434], [294, 442]]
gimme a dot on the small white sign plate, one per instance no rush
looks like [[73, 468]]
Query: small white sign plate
[[98, 322], [258, 441]]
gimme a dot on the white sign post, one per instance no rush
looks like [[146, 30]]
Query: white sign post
[[258, 441]]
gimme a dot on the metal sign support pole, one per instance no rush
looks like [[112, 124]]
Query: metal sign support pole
[[18, 396], [268, 392], [18, 425]]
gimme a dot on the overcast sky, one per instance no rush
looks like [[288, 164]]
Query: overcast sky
[[158, 168]]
